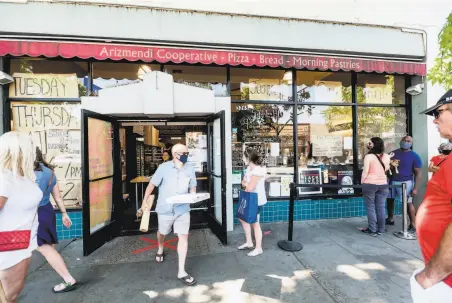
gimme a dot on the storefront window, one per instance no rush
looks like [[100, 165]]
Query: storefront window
[[55, 128], [40, 78], [213, 78], [261, 84], [110, 74], [333, 87], [384, 122], [325, 146], [268, 128], [380, 89]]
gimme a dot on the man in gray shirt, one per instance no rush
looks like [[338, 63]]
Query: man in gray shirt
[[174, 178]]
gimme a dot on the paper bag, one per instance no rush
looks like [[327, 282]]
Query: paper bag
[[146, 209]]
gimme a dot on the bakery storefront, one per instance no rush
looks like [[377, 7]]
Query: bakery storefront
[[310, 117]]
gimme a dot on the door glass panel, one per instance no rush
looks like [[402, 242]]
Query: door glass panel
[[216, 166], [100, 167], [100, 203]]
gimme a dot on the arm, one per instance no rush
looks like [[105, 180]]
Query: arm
[[440, 266], [417, 180], [156, 180], [56, 194], [2, 201], [149, 189], [193, 181], [432, 168], [250, 187], [365, 169]]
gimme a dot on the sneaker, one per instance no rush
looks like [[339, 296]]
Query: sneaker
[[382, 232], [368, 232], [411, 229], [389, 222]]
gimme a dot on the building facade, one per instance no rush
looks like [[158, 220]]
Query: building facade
[[308, 94]]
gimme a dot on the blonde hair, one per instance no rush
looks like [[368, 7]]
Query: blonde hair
[[17, 154]]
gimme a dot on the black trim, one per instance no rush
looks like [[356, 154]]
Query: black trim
[[409, 107], [103, 178], [6, 104], [356, 178], [295, 125], [16, 99]]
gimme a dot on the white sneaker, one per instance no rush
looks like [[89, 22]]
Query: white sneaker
[[255, 252]]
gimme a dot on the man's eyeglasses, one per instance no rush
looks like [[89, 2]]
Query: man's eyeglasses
[[438, 112], [183, 154]]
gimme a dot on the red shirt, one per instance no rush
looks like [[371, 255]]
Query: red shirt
[[435, 212], [437, 160]]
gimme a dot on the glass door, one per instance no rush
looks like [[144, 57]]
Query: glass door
[[217, 175], [101, 180]]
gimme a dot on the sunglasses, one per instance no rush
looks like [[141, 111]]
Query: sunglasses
[[438, 112]]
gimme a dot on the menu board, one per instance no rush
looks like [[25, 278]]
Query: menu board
[[100, 148], [100, 203], [310, 176], [326, 146], [140, 159]]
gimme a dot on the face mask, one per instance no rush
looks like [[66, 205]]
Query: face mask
[[165, 158], [183, 159], [446, 152], [405, 145], [245, 161]]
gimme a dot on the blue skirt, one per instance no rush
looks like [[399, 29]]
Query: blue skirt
[[47, 233]]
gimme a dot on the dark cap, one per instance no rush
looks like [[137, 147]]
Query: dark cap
[[445, 99]]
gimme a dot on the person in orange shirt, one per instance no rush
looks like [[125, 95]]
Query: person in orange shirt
[[444, 150], [434, 221]]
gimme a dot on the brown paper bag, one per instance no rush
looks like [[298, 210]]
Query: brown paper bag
[[146, 208]]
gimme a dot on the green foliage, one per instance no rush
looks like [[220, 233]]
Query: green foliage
[[441, 72]]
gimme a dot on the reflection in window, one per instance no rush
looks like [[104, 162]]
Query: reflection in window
[[47, 68], [268, 129], [213, 78], [111, 74], [384, 122], [55, 128], [325, 143], [332, 87], [380, 89], [261, 84]]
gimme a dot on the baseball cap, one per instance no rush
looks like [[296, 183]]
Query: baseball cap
[[445, 99]]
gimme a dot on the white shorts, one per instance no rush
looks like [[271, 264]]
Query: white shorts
[[438, 293], [180, 224]]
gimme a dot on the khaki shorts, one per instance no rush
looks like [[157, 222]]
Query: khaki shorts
[[180, 224]]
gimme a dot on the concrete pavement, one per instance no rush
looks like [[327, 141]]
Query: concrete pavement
[[337, 264]]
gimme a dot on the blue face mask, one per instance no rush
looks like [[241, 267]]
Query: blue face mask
[[405, 145], [183, 158]]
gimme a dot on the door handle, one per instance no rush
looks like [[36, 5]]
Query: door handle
[[212, 174]]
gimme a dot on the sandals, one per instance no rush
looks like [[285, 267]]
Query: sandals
[[158, 256], [186, 280], [245, 247], [68, 286]]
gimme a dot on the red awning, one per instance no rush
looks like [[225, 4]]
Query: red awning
[[101, 51]]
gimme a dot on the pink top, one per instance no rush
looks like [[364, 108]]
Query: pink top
[[373, 172]]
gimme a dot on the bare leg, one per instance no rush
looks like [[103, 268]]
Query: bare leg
[[56, 261], [182, 248], [412, 213], [13, 279], [249, 240], [161, 241], [258, 236]]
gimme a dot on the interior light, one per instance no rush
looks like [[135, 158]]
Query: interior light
[[288, 77]]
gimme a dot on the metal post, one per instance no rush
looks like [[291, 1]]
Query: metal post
[[290, 245], [404, 233]]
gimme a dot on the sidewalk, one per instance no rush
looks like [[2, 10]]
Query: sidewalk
[[337, 264]]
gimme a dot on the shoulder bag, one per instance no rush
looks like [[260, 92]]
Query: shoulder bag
[[19, 239]]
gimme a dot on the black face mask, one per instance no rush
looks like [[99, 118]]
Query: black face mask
[[446, 152]]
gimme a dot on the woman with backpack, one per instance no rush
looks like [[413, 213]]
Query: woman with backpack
[[375, 186]]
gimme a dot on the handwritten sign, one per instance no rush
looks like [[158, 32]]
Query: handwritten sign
[[42, 116], [326, 146], [100, 200], [378, 93], [44, 86], [328, 91], [64, 142], [268, 89]]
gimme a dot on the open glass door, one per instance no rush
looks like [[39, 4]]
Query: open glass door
[[101, 180], [217, 173]]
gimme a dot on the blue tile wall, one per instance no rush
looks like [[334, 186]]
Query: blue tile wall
[[278, 211], [76, 230]]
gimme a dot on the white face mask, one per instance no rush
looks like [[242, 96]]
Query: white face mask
[[246, 161]]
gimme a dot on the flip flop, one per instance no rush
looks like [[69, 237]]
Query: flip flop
[[160, 256], [68, 286], [186, 279]]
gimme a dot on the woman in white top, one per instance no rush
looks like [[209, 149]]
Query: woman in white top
[[254, 181], [19, 200]]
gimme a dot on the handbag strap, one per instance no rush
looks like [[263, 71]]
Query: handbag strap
[[441, 162], [381, 162]]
